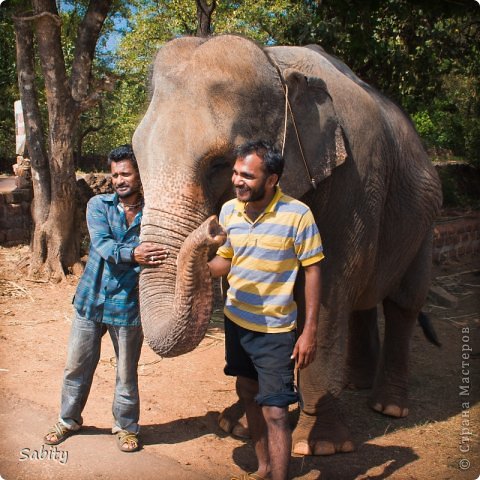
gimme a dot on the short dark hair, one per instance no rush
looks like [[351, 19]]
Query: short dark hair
[[273, 160], [123, 152]]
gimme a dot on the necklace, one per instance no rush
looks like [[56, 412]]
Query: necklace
[[132, 206]]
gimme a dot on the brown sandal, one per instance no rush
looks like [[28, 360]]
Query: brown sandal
[[60, 431], [125, 439]]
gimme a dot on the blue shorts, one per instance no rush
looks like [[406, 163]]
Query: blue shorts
[[265, 358]]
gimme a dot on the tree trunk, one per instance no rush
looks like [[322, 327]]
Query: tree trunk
[[33, 121], [204, 17], [55, 249], [55, 246]]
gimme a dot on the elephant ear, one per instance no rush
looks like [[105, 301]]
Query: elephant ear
[[321, 136]]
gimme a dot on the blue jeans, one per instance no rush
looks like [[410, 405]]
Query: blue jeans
[[83, 356]]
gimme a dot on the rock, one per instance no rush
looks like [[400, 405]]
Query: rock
[[88, 186]]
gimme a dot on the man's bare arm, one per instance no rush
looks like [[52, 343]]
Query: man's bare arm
[[219, 266], [306, 346]]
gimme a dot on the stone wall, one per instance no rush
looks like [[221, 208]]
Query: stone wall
[[456, 237], [15, 217]]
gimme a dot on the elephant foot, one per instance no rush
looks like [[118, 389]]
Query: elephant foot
[[321, 436], [391, 400], [234, 421], [390, 410]]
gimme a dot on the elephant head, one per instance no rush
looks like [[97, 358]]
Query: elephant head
[[209, 95]]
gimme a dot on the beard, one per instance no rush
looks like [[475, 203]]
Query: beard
[[247, 194], [127, 190], [123, 192]]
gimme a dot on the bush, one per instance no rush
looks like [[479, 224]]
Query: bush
[[460, 185], [452, 122]]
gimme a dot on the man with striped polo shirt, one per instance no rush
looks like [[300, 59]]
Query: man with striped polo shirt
[[269, 236]]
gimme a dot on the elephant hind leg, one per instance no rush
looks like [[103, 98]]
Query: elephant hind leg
[[363, 349], [390, 392], [401, 309]]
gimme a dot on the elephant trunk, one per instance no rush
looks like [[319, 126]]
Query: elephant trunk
[[176, 299]]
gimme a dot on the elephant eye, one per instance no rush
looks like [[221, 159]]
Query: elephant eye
[[220, 164], [215, 175]]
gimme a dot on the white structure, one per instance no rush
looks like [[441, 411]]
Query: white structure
[[20, 136]]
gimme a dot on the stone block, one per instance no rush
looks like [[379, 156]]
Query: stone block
[[14, 221], [15, 196], [26, 208], [27, 222], [14, 210], [17, 235], [26, 193]]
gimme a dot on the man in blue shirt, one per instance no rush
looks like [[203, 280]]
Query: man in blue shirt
[[107, 299]]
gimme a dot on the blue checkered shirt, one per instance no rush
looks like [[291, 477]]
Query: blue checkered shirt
[[108, 289]]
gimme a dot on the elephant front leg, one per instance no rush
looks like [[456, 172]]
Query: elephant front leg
[[390, 392], [233, 420], [322, 433], [320, 429]]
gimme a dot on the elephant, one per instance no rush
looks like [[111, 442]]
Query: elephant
[[350, 154]]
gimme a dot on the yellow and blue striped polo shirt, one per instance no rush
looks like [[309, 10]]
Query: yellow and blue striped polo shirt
[[266, 255]]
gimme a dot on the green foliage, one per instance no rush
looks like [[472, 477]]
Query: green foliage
[[451, 122], [122, 111], [150, 24], [267, 21], [459, 185], [452, 197], [424, 55], [102, 125], [8, 81], [71, 13], [425, 126]]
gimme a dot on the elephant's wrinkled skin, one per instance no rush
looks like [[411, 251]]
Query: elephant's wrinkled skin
[[376, 200]]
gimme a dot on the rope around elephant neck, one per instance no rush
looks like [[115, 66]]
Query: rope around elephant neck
[[288, 108]]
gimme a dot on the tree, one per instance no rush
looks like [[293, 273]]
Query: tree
[[9, 86], [204, 17], [424, 55], [55, 246]]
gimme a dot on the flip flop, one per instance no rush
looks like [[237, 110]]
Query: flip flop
[[124, 438], [60, 431]]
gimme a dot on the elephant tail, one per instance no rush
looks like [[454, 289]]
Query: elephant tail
[[428, 329]]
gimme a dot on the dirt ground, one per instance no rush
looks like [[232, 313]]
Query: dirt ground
[[181, 399]]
